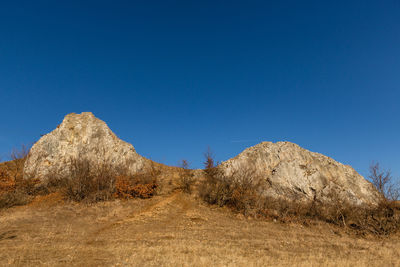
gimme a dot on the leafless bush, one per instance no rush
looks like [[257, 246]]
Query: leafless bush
[[14, 198], [91, 182], [384, 182], [186, 178], [14, 190], [214, 188], [17, 193], [210, 162], [237, 190], [380, 220], [15, 166], [242, 189], [87, 182]]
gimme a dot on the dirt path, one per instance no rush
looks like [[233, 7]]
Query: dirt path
[[165, 209]]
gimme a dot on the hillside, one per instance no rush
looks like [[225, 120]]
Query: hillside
[[175, 229], [83, 197]]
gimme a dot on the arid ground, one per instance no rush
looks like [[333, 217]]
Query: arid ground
[[175, 230]]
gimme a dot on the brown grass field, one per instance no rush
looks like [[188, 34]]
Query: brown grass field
[[175, 229]]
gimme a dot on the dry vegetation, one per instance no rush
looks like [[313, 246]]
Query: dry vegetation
[[85, 183], [190, 224], [175, 230], [14, 190], [240, 192], [186, 178], [384, 182]]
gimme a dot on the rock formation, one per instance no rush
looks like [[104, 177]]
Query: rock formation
[[80, 136], [283, 169], [286, 170]]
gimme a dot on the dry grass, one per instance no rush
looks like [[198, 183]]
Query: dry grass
[[175, 230], [240, 191]]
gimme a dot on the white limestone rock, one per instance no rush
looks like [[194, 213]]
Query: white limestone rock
[[80, 136], [286, 170]]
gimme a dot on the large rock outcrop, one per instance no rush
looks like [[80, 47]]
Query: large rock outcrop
[[285, 170], [80, 136]]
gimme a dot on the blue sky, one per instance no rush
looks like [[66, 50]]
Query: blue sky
[[173, 77]]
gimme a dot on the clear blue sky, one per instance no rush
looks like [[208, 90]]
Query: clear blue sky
[[173, 77]]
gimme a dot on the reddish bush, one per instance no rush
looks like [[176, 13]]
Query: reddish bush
[[130, 187]]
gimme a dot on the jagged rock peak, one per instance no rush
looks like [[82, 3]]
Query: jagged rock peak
[[80, 136]]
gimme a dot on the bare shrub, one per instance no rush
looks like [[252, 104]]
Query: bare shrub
[[91, 182], [384, 182], [16, 193], [210, 162], [237, 190], [98, 183], [14, 198], [14, 189], [241, 191], [214, 188], [186, 178], [379, 220], [16, 165], [88, 183], [7, 183]]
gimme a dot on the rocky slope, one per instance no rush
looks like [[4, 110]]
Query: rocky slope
[[80, 136], [286, 170]]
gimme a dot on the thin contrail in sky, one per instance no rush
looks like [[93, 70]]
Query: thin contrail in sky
[[243, 141]]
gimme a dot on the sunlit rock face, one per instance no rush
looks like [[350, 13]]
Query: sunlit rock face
[[285, 170], [282, 169], [80, 136]]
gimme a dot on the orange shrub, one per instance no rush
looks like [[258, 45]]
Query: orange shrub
[[126, 187]]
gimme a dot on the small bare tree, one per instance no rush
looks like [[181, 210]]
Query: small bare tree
[[383, 181], [20, 153], [17, 162], [209, 156]]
